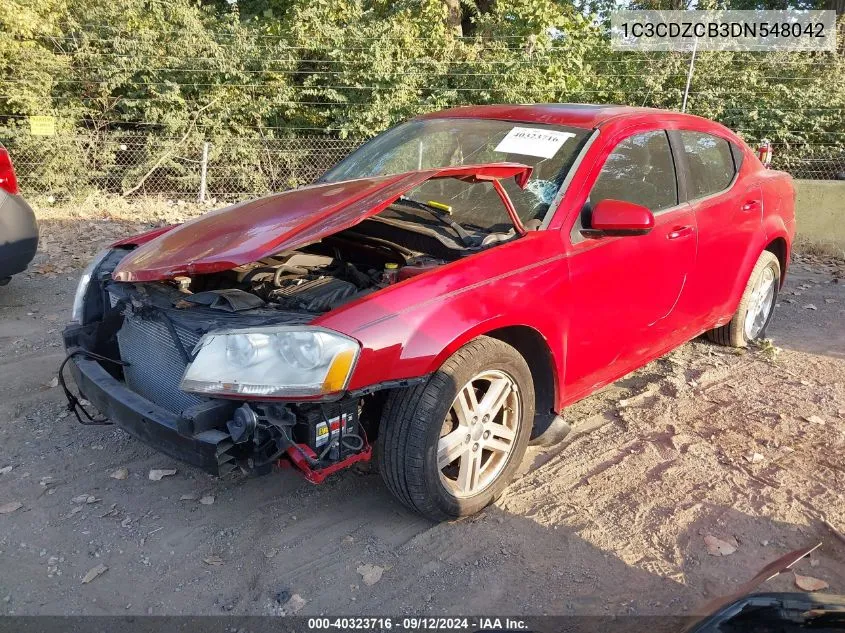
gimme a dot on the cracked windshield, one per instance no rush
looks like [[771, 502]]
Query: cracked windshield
[[431, 143]]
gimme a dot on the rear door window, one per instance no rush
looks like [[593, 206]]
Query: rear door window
[[710, 163], [639, 170]]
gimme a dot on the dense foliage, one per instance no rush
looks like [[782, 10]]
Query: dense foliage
[[184, 71]]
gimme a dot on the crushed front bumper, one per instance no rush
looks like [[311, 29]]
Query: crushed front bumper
[[189, 437]]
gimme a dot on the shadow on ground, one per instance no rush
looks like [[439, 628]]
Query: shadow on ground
[[566, 540], [810, 316]]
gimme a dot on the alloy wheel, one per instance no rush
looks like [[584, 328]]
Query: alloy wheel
[[479, 433], [761, 304]]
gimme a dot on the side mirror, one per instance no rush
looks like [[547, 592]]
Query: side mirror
[[617, 218]]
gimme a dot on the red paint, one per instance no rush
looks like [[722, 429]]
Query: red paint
[[297, 456], [617, 215], [602, 306], [503, 195], [247, 232], [143, 238], [8, 179], [577, 115]]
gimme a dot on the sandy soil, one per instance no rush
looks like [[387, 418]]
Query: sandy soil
[[612, 521]]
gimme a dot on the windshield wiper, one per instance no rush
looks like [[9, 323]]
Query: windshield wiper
[[442, 217]]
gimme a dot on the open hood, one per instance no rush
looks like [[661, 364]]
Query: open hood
[[250, 231]]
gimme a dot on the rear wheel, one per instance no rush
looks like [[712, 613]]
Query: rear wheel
[[449, 447], [756, 307]]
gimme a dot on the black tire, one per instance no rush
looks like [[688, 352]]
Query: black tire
[[733, 333], [413, 418]]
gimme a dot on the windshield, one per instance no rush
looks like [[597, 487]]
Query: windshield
[[432, 143]]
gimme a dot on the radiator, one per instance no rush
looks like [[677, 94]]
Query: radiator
[[155, 364]]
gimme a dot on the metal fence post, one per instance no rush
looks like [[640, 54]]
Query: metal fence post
[[689, 75], [203, 170]]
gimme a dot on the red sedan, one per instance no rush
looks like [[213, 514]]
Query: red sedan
[[439, 297]]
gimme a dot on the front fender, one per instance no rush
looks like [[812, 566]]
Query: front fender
[[491, 326], [409, 329]]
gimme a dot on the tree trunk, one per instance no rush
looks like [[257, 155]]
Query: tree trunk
[[453, 16], [835, 5], [482, 7]]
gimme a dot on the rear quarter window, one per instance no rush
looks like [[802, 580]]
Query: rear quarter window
[[710, 163]]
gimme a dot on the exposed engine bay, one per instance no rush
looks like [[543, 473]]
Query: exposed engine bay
[[314, 279], [211, 350], [344, 266], [154, 328]]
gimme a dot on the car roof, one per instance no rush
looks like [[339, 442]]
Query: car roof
[[582, 115]]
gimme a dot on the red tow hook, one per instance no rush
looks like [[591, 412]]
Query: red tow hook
[[297, 456]]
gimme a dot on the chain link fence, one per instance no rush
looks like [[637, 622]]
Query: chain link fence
[[132, 164], [235, 168], [810, 162]]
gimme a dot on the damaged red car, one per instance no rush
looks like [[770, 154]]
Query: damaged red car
[[435, 300]]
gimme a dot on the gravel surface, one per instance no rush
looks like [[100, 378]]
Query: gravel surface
[[745, 447]]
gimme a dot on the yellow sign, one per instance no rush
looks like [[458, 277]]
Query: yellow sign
[[42, 125]]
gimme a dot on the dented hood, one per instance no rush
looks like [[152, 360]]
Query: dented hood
[[250, 231]]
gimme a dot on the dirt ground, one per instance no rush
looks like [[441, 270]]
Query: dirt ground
[[611, 521]]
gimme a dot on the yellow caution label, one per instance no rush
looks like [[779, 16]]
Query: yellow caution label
[[42, 125]]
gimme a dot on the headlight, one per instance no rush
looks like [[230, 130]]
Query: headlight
[[281, 361], [76, 313]]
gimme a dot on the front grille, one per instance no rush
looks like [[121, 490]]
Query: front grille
[[155, 364]]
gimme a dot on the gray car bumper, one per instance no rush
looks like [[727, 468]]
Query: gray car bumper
[[18, 234]]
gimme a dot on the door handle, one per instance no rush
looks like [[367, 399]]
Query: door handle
[[679, 232], [751, 205]]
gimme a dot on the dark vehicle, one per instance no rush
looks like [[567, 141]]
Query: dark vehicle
[[18, 230], [750, 612], [781, 612]]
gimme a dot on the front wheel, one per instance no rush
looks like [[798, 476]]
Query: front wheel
[[756, 307], [447, 448]]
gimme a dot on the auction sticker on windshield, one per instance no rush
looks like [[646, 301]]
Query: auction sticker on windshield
[[533, 142]]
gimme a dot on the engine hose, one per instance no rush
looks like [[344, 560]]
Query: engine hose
[[326, 450], [295, 270], [276, 271], [348, 436], [351, 436]]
